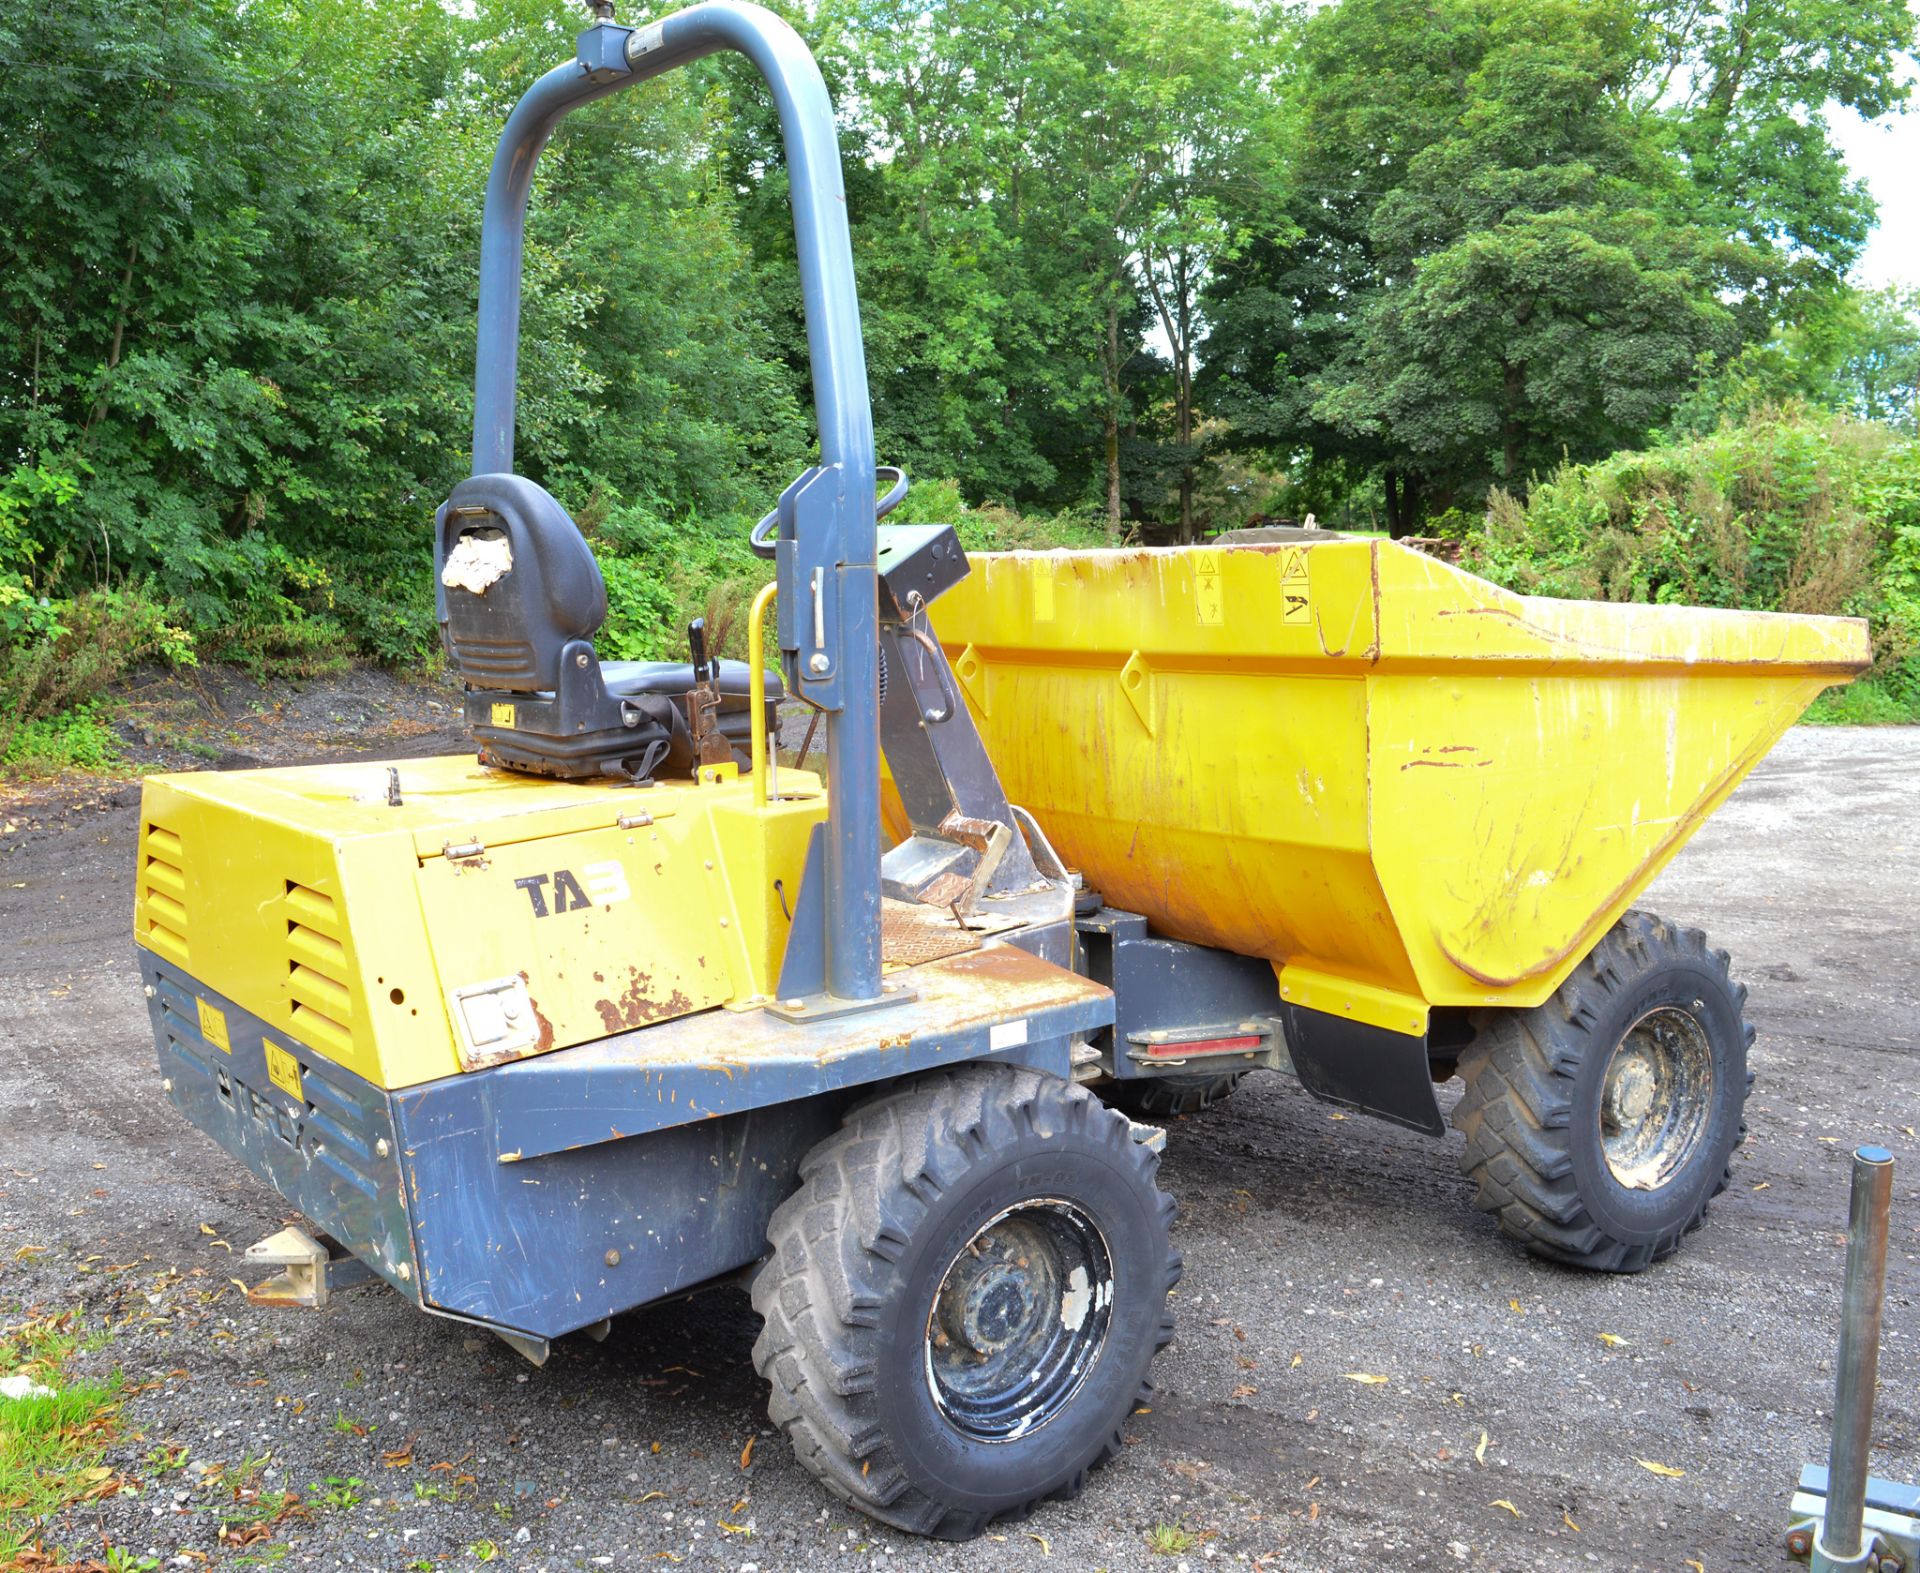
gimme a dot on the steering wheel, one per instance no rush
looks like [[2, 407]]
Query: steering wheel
[[760, 539]]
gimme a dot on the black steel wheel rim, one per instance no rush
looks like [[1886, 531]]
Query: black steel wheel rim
[[1018, 1320]]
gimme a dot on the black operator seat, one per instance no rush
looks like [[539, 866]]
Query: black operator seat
[[520, 599]]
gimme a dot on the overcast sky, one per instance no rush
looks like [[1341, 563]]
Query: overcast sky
[[1886, 154]]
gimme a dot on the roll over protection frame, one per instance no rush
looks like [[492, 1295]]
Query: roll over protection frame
[[835, 532]]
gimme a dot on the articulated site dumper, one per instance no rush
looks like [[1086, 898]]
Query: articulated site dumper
[[618, 1006]]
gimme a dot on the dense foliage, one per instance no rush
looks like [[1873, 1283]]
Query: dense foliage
[[1788, 510], [1146, 267]]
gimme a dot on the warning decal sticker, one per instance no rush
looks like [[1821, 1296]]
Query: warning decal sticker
[[1206, 588], [283, 1070], [213, 1025], [1295, 599]]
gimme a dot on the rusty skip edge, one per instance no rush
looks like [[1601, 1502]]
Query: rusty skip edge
[[998, 1004]]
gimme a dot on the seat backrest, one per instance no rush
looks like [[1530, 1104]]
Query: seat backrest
[[515, 581]]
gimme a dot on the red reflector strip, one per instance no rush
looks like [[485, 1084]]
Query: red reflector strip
[[1181, 1051]]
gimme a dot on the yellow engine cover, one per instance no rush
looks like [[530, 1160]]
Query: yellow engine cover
[[484, 917]]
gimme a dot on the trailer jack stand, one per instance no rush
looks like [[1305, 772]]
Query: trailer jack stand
[[309, 1271], [1844, 1520]]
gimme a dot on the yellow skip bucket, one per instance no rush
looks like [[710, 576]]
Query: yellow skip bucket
[[1403, 785]]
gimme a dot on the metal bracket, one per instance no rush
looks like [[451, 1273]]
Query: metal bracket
[[534, 1349], [309, 1271]]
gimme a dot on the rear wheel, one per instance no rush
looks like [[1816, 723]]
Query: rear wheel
[[964, 1298], [1163, 1097], [1601, 1123]]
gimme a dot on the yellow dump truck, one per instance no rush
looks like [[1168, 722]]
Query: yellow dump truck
[[617, 1006]]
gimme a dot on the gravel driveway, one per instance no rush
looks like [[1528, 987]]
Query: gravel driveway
[[1506, 1413]]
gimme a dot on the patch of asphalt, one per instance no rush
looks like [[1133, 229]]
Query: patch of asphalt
[[1319, 1249]]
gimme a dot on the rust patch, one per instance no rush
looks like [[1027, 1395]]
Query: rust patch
[[975, 833], [1449, 764], [546, 1027], [944, 891], [636, 1007], [1373, 572]]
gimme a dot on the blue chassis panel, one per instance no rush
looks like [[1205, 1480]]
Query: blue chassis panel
[[546, 1195]]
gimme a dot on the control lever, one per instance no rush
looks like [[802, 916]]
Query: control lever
[[703, 703]]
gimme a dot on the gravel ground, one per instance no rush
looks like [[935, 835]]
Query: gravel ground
[[1507, 1434]]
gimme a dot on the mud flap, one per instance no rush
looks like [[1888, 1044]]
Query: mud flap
[[1378, 1072]]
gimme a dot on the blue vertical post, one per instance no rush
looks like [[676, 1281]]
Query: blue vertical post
[[614, 57]]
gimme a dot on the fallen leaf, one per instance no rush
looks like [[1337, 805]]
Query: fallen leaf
[[654, 1496], [1480, 1452], [1698, 1567], [1046, 1546], [1294, 1363], [733, 1529], [654, 1448], [1313, 1512], [1515, 1307], [1243, 1391], [1568, 1521], [1503, 1502], [1362, 1376], [1763, 1185], [1661, 1469], [207, 1228], [746, 1453], [1612, 1340]]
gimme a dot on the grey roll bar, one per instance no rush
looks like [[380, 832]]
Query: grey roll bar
[[826, 562]]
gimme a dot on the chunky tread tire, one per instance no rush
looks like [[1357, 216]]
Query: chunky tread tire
[[1525, 1072], [1165, 1097], [898, 1169]]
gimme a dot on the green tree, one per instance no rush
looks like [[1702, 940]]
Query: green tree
[[237, 295], [1524, 229]]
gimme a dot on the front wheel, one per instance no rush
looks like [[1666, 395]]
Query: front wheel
[[1601, 1123], [964, 1297]]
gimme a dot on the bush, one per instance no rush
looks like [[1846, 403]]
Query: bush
[[1786, 510], [61, 654], [76, 739]]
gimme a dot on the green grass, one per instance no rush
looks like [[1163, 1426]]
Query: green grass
[[1171, 1540], [1870, 701], [51, 1448]]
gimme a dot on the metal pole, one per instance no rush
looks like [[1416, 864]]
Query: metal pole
[[1859, 1364]]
